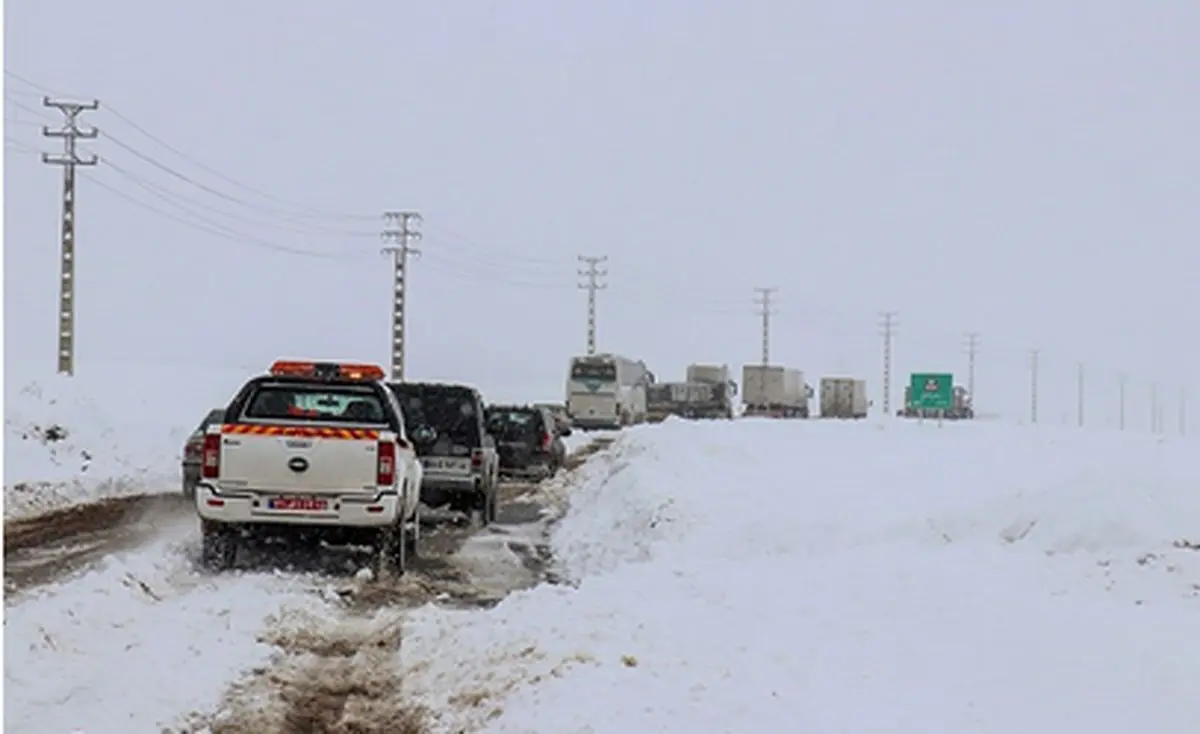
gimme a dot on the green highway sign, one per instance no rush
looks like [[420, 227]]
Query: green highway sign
[[931, 391]]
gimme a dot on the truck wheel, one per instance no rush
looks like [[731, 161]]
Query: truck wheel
[[486, 503], [391, 551], [218, 546], [413, 539]]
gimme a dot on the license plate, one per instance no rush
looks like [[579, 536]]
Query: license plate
[[448, 464], [298, 504]]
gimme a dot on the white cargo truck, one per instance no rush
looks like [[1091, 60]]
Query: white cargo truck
[[774, 391], [843, 397]]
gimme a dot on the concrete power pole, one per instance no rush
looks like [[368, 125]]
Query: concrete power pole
[[69, 132], [1033, 385], [1121, 411], [1082, 393], [764, 303], [889, 329], [972, 350], [398, 233], [592, 285]]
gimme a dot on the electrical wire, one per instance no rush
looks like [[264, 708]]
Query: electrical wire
[[217, 231], [180, 201]]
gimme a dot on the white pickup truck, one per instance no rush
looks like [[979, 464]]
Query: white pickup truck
[[311, 446]]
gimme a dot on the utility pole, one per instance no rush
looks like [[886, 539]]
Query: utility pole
[[1033, 385], [1082, 394], [1121, 412], [764, 303], [69, 132], [972, 350], [592, 285], [398, 233], [889, 328]]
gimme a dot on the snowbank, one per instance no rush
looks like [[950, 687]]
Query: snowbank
[[812, 576], [109, 430], [140, 641]]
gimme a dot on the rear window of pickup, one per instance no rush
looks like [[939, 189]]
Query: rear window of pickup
[[315, 404]]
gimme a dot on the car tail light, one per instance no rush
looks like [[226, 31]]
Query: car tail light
[[210, 466], [546, 440], [385, 473], [477, 459]]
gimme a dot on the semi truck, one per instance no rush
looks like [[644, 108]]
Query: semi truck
[[775, 391], [843, 397], [707, 392]]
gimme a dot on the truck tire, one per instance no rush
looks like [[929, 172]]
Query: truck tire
[[218, 546], [485, 503], [391, 551], [413, 539]]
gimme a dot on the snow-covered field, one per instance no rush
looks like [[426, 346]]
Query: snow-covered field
[[110, 430], [723, 577]]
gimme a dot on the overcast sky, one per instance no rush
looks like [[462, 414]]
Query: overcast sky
[[1027, 170]]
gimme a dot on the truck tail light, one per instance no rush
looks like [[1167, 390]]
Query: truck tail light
[[546, 440], [210, 463], [385, 473], [476, 459]]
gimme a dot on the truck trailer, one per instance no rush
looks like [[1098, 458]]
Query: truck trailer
[[775, 391], [708, 392], [843, 397]]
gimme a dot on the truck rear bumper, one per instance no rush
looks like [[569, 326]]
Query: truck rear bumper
[[450, 484], [342, 510]]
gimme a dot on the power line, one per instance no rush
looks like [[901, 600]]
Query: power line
[[302, 211], [182, 202], [888, 330], [592, 285], [212, 228], [399, 232], [70, 132]]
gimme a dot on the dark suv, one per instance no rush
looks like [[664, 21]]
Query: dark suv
[[528, 439], [445, 423]]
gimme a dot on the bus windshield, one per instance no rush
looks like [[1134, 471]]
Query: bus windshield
[[599, 371]]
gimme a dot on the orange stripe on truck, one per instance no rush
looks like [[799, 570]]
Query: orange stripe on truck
[[260, 429]]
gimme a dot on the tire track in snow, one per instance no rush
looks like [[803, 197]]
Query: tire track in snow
[[341, 674], [42, 549]]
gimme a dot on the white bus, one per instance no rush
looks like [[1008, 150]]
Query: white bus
[[607, 391]]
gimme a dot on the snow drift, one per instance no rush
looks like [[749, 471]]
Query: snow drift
[[109, 430], [818, 576]]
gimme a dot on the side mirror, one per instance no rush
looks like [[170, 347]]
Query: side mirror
[[564, 431]]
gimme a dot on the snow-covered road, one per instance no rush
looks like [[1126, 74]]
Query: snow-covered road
[[726, 577]]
